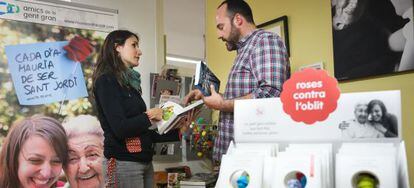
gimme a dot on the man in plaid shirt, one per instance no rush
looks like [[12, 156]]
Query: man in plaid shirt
[[259, 70]]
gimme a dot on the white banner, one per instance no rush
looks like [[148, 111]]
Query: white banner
[[263, 120], [62, 14]]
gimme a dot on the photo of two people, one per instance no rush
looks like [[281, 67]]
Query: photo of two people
[[371, 120]]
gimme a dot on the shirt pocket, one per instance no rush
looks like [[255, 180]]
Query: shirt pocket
[[133, 145]]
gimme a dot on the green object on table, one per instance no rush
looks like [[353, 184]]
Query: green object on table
[[366, 181]]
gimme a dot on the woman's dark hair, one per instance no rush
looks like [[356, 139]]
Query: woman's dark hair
[[374, 102], [109, 60], [238, 7], [45, 127]]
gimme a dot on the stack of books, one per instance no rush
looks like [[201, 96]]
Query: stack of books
[[199, 180]]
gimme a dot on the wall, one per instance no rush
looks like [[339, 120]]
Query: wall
[[311, 41], [184, 27], [139, 16]]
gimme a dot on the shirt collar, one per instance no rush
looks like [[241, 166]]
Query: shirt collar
[[243, 41]]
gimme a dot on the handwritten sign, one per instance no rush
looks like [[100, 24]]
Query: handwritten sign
[[42, 73]]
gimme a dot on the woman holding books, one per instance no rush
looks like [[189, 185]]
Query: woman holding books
[[128, 144]]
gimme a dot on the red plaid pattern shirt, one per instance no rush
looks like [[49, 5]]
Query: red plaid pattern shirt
[[261, 67]]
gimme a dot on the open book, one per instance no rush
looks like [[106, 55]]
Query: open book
[[204, 77], [172, 114]]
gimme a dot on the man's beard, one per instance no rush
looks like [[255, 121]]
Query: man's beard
[[234, 37]]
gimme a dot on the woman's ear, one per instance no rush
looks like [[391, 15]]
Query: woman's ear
[[118, 47]]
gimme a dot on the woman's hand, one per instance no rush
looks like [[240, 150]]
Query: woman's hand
[[154, 114], [343, 125], [380, 128]]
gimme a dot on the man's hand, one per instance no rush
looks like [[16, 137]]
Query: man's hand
[[188, 119], [193, 95], [78, 49], [215, 101]]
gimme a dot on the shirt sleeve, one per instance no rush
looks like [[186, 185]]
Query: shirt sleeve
[[270, 65], [109, 97]]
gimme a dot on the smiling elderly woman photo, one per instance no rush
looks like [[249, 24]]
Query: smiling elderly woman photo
[[85, 142]]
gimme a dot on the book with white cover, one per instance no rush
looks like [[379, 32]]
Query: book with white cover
[[324, 152], [172, 115], [266, 150], [380, 164], [287, 164], [262, 149], [373, 147], [269, 167], [234, 167]]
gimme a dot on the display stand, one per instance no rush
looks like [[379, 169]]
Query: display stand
[[323, 151]]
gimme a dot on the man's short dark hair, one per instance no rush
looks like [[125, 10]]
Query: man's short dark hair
[[240, 7]]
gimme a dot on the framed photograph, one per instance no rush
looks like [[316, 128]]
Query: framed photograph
[[160, 86], [317, 66], [280, 27], [372, 37]]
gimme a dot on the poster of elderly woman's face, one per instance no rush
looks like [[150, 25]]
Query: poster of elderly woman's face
[[372, 37]]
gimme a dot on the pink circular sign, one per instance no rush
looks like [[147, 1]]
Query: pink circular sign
[[310, 96]]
